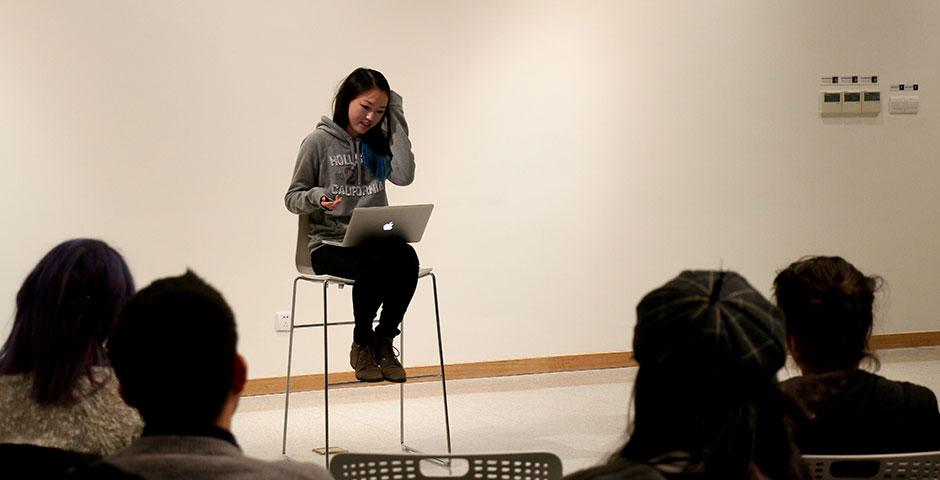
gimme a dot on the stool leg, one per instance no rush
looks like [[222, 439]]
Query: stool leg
[[401, 389], [440, 351], [326, 377], [290, 347]]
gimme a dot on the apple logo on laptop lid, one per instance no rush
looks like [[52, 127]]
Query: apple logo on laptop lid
[[388, 226]]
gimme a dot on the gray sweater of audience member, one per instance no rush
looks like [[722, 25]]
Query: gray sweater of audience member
[[97, 422], [329, 163], [171, 457]]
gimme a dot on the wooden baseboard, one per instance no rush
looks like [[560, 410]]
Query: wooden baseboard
[[498, 368], [887, 341], [527, 366]]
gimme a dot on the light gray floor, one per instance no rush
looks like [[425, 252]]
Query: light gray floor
[[580, 416]]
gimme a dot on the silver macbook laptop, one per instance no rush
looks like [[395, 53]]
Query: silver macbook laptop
[[406, 222]]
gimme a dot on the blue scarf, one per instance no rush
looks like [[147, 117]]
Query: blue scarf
[[380, 166]]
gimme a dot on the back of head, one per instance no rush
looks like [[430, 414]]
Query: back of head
[[712, 326], [709, 347], [173, 351], [828, 306], [65, 310]]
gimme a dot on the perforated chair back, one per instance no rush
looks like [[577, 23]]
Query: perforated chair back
[[498, 466], [921, 465], [302, 254]]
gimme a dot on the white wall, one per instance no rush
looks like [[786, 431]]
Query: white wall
[[579, 153]]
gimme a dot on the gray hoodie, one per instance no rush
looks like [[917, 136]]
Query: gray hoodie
[[329, 163]]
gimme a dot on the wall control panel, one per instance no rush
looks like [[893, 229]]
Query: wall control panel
[[904, 99], [830, 103], [871, 101], [849, 95], [851, 102], [904, 104]]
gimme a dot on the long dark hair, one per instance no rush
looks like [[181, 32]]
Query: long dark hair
[[828, 304], [362, 80], [724, 434], [706, 401], [65, 310]]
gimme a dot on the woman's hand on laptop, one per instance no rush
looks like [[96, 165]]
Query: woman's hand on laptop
[[328, 204]]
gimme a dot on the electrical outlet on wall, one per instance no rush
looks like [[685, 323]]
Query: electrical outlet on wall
[[282, 321]]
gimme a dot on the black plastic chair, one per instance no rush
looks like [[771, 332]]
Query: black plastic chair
[[921, 465], [32, 461]]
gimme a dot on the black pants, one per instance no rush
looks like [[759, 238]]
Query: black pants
[[386, 275]]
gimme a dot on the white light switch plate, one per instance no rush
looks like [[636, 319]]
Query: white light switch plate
[[904, 104]]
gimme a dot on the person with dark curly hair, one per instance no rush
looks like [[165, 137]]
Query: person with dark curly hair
[[841, 409]]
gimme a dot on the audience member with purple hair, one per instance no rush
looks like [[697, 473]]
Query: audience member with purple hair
[[56, 385]]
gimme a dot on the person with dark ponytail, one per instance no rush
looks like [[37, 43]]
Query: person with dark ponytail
[[57, 388], [841, 409], [345, 164]]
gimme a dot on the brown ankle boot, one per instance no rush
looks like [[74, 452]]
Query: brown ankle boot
[[363, 362], [388, 361]]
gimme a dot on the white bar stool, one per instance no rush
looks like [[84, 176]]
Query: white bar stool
[[303, 263]]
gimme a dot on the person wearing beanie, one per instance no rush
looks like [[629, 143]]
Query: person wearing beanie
[[706, 400], [840, 408]]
